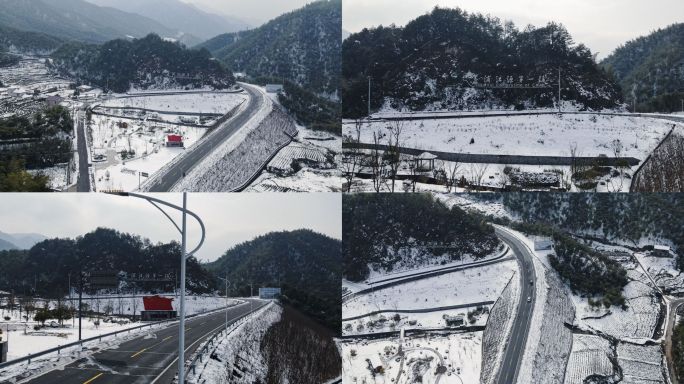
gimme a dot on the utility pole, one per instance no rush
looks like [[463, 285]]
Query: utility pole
[[559, 89], [682, 105], [369, 96], [80, 303], [226, 302], [181, 339]]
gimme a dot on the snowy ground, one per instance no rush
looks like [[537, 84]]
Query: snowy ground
[[413, 359], [312, 152], [147, 140], [467, 287], [663, 271], [238, 349], [590, 356], [208, 102], [540, 135]]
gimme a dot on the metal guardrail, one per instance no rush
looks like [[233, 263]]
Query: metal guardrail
[[59, 348], [197, 358], [160, 173]]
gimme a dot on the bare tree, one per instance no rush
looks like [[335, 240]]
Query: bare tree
[[502, 177], [352, 154], [574, 153], [377, 164], [451, 171], [615, 184], [477, 173], [134, 306], [393, 149]]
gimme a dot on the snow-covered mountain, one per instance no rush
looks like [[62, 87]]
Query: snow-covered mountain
[[179, 15], [302, 46], [82, 21], [453, 60], [20, 240]]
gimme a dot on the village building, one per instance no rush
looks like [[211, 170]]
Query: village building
[[174, 141], [157, 308]]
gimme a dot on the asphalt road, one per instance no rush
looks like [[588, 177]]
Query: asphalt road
[[145, 359], [515, 349], [175, 173], [673, 305], [83, 181]]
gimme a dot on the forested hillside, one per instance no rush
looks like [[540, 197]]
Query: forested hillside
[[650, 69], [14, 40], [40, 141], [78, 20], [305, 264], [147, 63], [47, 266], [450, 59], [302, 46], [383, 231]]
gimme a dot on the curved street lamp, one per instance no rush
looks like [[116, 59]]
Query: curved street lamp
[[184, 257]]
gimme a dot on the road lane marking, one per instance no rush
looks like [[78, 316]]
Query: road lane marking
[[94, 378], [145, 349], [139, 352]]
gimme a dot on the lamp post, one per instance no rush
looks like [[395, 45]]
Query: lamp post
[[184, 257], [369, 96], [226, 280]]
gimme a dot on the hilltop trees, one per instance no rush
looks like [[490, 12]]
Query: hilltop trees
[[150, 62], [48, 265], [650, 70], [450, 59], [379, 230]]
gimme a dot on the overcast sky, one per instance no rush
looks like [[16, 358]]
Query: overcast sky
[[602, 25], [229, 218], [255, 12]]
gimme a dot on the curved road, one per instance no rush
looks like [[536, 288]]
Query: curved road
[[673, 304], [164, 182], [515, 348], [145, 359], [83, 181]]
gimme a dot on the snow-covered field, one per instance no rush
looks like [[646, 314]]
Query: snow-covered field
[[312, 152], [663, 271], [445, 359], [240, 349], [539, 135], [146, 140], [641, 363], [637, 323], [466, 287], [208, 102], [590, 356]]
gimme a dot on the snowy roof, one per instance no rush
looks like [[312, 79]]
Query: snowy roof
[[4, 293], [426, 156], [661, 248]]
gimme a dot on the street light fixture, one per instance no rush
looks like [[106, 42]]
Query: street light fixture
[[184, 257], [226, 280]]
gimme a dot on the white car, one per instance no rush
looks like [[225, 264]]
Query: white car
[[529, 299]]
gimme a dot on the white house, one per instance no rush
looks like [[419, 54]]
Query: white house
[[274, 88], [543, 243]]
